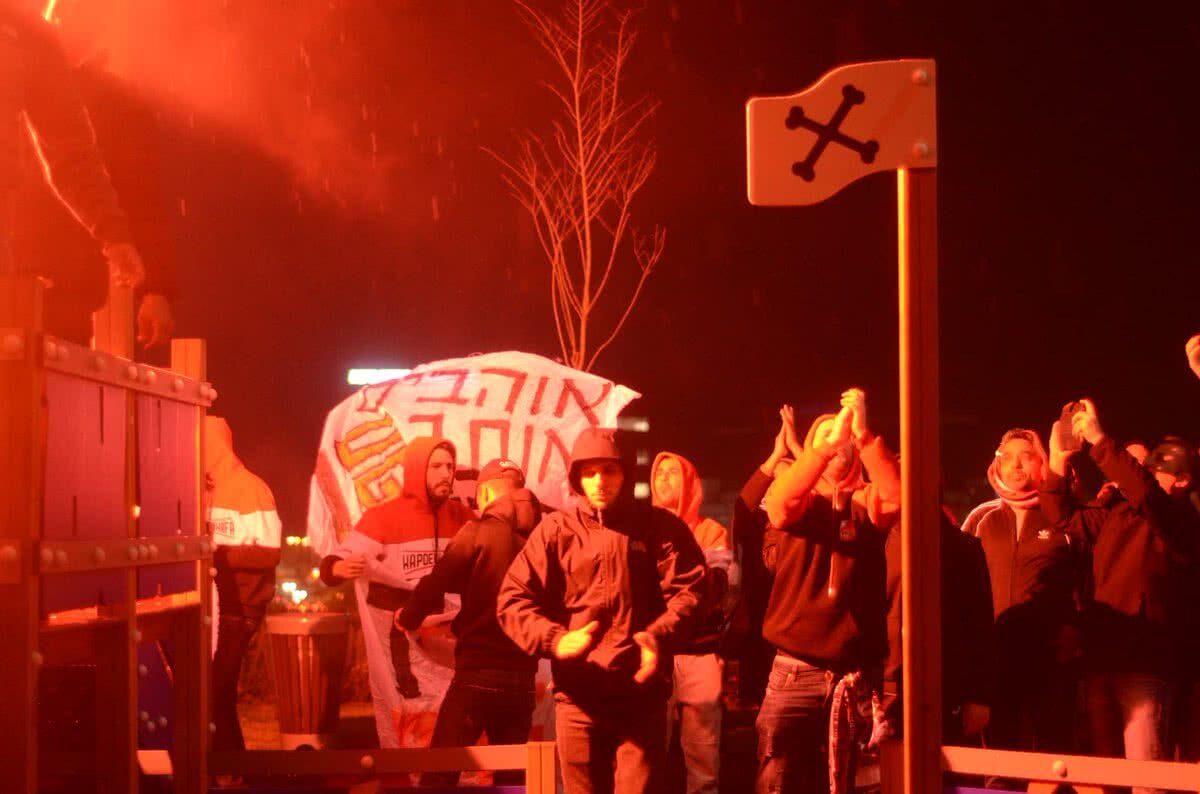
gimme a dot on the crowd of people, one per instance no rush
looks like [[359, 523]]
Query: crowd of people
[[1067, 602]]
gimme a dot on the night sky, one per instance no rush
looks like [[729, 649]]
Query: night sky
[[306, 144]]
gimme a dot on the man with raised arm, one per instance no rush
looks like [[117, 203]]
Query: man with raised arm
[[828, 605], [37, 95], [1142, 535]]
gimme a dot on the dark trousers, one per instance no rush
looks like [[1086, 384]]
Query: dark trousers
[[498, 703], [793, 730], [234, 633], [614, 746]]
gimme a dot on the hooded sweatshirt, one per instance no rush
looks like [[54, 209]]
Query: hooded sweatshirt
[[713, 540], [1033, 569], [402, 538], [631, 568], [474, 564], [1142, 541], [244, 525], [825, 548]]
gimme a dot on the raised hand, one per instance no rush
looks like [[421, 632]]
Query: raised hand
[[1193, 354], [839, 434], [575, 643], [856, 401], [1085, 424], [793, 444]]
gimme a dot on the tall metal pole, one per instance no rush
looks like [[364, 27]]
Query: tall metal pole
[[920, 475]]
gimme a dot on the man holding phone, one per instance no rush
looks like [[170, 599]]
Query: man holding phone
[[1142, 536]]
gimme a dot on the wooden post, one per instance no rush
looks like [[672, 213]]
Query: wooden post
[[112, 324], [192, 628], [920, 474], [22, 422]]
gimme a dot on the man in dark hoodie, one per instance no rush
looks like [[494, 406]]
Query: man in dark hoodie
[[968, 666], [827, 610], [607, 589], [394, 545], [744, 638], [493, 690], [1035, 574], [1142, 538]]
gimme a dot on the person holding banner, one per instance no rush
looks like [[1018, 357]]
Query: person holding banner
[[699, 671], [608, 589], [492, 690], [827, 610], [392, 547]]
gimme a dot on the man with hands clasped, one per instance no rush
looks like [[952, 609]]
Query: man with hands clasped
[[827, 611]]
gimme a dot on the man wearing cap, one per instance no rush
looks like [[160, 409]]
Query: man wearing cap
[[1143, 538], [607, 589], [493, 687]]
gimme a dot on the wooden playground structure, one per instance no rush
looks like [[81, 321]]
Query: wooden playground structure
[[105, 569]]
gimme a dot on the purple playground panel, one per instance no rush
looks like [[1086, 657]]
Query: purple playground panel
[[167, 463], [84, 484]]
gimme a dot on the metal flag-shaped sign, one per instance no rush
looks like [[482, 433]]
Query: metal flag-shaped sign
[[856, 120]]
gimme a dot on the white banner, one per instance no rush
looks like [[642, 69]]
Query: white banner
[[497, 405], [501, 405]]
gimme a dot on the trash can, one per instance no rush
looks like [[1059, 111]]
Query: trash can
[[308, 657]]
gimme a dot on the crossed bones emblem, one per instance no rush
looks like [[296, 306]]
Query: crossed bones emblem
[[830, 132]]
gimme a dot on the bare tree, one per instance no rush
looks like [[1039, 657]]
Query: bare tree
[[579, 182]]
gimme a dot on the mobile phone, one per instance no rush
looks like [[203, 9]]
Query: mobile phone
[[1070, 442]]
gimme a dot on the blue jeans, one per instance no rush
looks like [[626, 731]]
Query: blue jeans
[[1128, 715], [793, 730], [496, 702]]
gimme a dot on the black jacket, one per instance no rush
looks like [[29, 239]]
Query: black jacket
[[968, 662], [748, 530], [632, 568], [474, 564], [1034, 579], [1141, 541]]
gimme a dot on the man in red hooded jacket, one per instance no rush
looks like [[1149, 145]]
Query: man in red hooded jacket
[[394, 545], [698, 669]]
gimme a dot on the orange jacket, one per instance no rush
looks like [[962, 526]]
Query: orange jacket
[[712, 538]]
